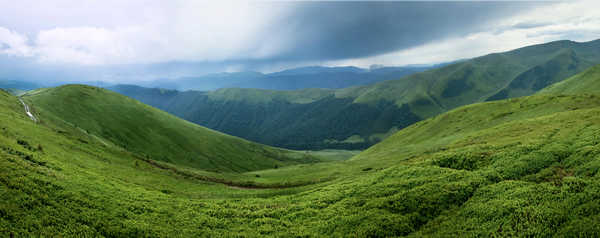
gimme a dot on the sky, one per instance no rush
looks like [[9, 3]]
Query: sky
[[145, 39]]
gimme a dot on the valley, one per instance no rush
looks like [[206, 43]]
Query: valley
[[100, 164], [300, 119], [359, 117]]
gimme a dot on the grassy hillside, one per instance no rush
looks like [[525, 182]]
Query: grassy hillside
[[519, 167], [563, 65], [496, 76], [537, 155], [152, 133], [585, 82], [304, 119], [357, 117]]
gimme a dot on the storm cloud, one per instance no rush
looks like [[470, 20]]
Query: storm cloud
[[193, 37], [338, 30]]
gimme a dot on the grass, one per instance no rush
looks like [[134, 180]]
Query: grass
[[152, 133], [585, 82], [521, 167]]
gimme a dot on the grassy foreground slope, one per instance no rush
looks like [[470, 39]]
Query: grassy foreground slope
[[152, 133], [55, 182], [519, 167], [359, 117], [538, 157]]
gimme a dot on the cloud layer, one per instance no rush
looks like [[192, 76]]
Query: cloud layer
[[181, 30], [574, 20], [14, 44], [267, 35]]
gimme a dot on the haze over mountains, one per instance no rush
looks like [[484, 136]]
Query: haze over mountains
[[358, 117], [291, 79]]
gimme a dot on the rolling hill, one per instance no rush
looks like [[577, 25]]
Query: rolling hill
[[525, 167], [537, 159], [358, 117], [585, 82], [300, 119], [150, 132]]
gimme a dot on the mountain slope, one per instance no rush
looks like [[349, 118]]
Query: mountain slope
[[585, 82], [538, 155], [150, 132], [526, 167], [358, 117], [565, 64], [301, 119], [530, 68]]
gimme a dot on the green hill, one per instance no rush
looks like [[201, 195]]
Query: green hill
[[304, 119], [519, 72], [152, 133], [358, 117], [585, 82], [524, 167], [537, 156], [518, 167]]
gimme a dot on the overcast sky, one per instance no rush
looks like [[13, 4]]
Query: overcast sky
[[267, 36]]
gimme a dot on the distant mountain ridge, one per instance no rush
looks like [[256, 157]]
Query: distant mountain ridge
[[18, 84], [290, 79], [357, 117]]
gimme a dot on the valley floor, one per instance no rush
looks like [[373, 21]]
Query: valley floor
[[519, 167]]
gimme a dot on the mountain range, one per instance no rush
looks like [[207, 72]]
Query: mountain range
[[291, 79], [96, 163], [358, 117]]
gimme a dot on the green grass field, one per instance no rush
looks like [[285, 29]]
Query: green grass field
[[525, 167]]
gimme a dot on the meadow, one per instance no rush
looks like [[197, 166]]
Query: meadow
[[517, 167]]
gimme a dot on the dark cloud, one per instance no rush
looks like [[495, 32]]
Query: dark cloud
[[529, 25], [340, 30], [309, 34]]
